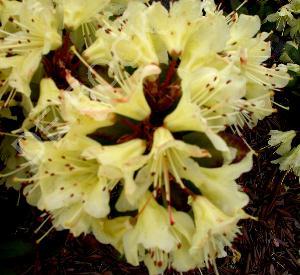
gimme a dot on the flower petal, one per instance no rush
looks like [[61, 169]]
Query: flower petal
[[284, 139]]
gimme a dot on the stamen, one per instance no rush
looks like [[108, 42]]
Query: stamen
[[281, 106], [19, 24], [214, 264], [144, 206], [42, 224], [173, 168], [45, 235], [98, 77], [9, 134], [167, 189], [23, 166], [229, 16], [10, 97]]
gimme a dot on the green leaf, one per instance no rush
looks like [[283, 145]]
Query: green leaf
[[14, 248], [292, 52], [201, 140], [111, 134], [234, 4]]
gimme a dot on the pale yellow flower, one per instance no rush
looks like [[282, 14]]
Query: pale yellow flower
[[117, 162], [48, 101], [64, 179], [220, 187], [38, 24], [214, 230], [77, 12], [209, 39], [284, 17], [111, 231], [175, 27], [249, 52], [22, 69], [208, 103], [131, 42], [168, 156], [34, 31], [73, 218], [290, 161], [129, 100], [283, 139], [142, 242], [82, 114]]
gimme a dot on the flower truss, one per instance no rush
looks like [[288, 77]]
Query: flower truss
[[124, 103]]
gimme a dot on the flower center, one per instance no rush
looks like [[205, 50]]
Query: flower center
[[56, 63], [162, 95]]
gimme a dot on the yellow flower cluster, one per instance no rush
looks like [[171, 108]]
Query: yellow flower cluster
[[141, 125]]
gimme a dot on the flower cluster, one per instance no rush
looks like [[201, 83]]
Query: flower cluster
[[286, 142], [286, 18], [124, 149], [289, 157]]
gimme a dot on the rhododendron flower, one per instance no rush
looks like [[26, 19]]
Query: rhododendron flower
[[290, 161], [111, 231], [290, 157], [283, 139], [211, 182], [116, 161], [77, 12], [63, 177], [142, 242], [34, 32], [286, 18], [214, 230], [49, 98]]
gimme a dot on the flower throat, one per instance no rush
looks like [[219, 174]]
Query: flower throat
[[162, 95]]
